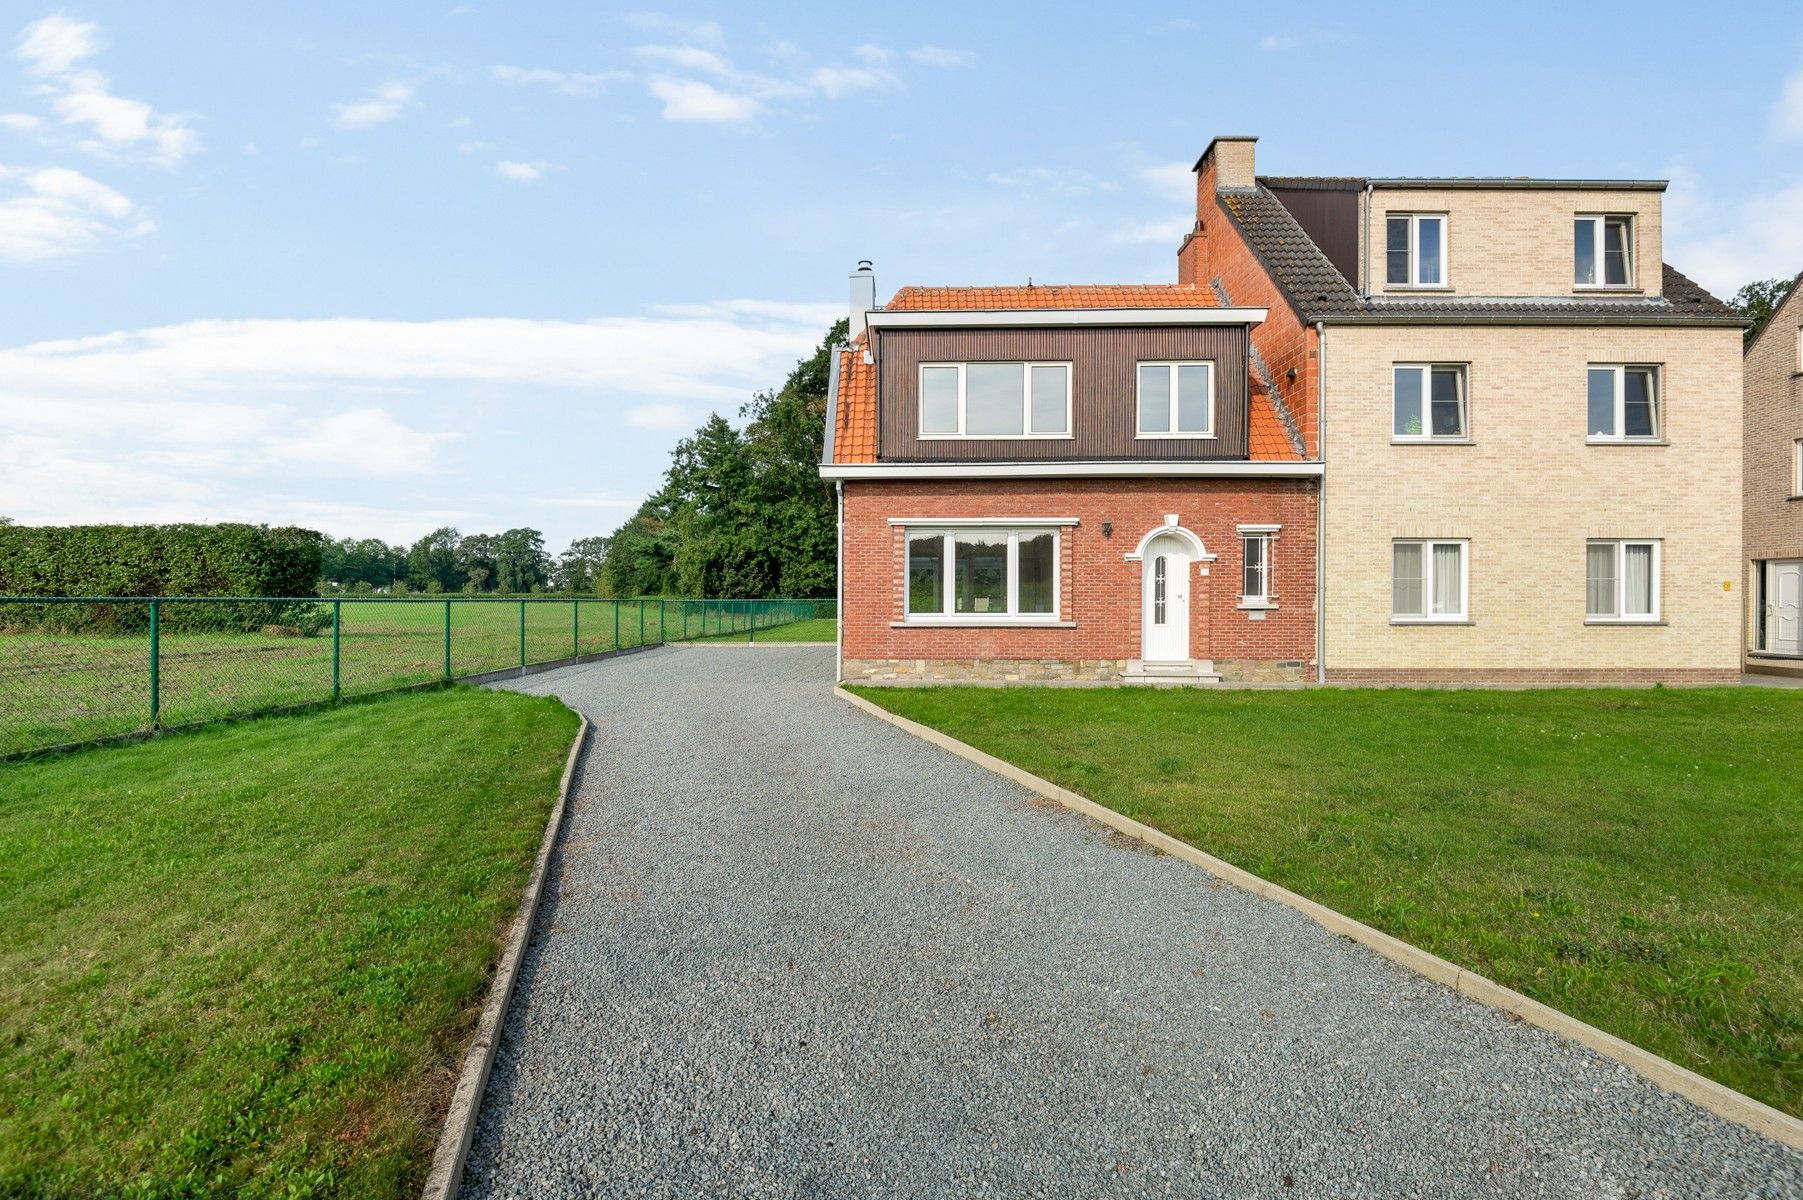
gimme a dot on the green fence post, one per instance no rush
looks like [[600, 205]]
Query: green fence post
[[575, 628], [640, 602], [616, 625], [661, 639], [447, 640], [156, 668], [337, 624], [685, 620], [751, 625], [522, 635]]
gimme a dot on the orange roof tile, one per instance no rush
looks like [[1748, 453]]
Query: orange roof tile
[[1062, 295], [1266, 438], [854, 438]]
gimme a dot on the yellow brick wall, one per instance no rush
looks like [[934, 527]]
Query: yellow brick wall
[[1528, 493], [1516, 241], [1773, 521]]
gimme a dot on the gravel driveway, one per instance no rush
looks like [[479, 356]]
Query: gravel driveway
[[789, 950]]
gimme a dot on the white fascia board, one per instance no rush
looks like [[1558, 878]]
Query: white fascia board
[[1047, 318], [1135, 469], [973, 522]]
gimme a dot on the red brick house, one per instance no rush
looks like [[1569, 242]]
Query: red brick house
[[1069, 484]]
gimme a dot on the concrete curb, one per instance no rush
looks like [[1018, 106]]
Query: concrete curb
[[446, 1175], [1723, 1101], [714, 644]]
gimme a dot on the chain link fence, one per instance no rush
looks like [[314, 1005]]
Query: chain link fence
[[76, 670]]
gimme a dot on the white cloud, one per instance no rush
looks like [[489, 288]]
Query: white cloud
[[568, 83], [1787, 111], [659, 416], [524, 172], [1174, 181], [941, 56], [21, 122], [1166, 231], [370, 438], [589, 500], [705, 32], [834, 82], [685, 58], [1273, 42], [54, 212], [691, 100], [51, 46], [870, 52], [389, 102], [1725, 244], [53, 50]]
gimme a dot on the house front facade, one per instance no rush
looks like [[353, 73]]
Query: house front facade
[[1773, 515], [1066, 485], [1502, 445]]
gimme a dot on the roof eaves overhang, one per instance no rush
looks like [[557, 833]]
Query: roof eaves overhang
[[1476, 183], [1121, 469], [1051, 318], [1666, 321], [832, 403]]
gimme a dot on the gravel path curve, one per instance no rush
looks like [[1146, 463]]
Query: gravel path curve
[[788, 950]]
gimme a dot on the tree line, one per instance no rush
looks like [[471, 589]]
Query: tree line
[[448, 561]]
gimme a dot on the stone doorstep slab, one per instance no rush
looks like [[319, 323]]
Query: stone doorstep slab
[[446, 1175], [1719, 1099]]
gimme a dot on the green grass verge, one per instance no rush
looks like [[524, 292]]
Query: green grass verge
[[814, 629], [244, 960], [57, 689], [1633, 858]]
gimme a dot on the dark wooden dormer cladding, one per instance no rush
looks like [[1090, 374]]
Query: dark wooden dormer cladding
[[1104, 389]]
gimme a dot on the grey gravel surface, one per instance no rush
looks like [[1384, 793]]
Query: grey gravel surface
[[789, 950]]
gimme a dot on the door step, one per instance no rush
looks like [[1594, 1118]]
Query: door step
[[1180, 673]]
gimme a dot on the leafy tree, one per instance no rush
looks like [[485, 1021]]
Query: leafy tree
[[639, 555], [432, 562], [476, 557], [578, 569], [521, 564], [1757, 301]]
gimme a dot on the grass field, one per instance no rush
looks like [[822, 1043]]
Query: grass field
[[58, 688], [1634, 858], [815, 629], [243, 960]]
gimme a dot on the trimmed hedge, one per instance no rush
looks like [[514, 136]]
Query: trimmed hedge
[[156, 560]]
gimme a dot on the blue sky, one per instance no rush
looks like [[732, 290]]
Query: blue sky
[[379, 267]]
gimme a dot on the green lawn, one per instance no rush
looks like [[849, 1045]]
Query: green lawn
[[244, 960], [1634, 858], [59, 688], [816, 629]]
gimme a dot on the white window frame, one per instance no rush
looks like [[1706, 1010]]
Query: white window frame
[[1621, 405], [948, 600], [1622, 616], [1268, 535], [1426, 370], [1171, 429], [1430, 617], [1414, 220], [1796, 467], [1026, 414], [1598, 223]]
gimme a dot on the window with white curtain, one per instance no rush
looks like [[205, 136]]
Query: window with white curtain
[[1415, 249], [1603, 251], [1428, 579], [1624, 403], [983, 573], [1621, 580]]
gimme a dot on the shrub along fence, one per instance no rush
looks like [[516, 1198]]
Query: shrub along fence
[[82, 669]]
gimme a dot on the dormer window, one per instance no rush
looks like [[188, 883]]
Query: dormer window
[[1603, 251], [995, 400], [1415, 249]]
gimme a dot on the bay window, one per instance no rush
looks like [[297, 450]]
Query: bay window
[[982, 573]]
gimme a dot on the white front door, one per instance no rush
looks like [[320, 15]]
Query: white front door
[[1784, 607], [1165, 621]]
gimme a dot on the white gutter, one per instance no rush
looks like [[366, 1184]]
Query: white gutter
[[1042, 318], [1125, 469], [1321, 504]]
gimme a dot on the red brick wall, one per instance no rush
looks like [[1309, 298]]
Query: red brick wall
[[1100, 589], [1217, 252]]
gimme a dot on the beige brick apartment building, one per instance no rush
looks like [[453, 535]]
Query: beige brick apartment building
[[1456, 431], [1772, 457]]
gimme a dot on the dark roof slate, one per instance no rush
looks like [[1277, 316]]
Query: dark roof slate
[[1321, 292]]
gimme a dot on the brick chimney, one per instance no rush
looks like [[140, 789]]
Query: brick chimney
[[1227, 165]]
